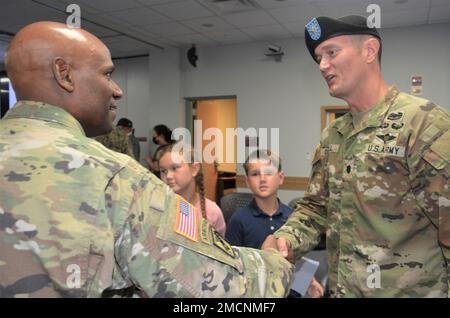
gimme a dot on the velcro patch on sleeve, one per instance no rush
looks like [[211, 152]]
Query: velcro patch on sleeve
[[158, 200], [187, 220]]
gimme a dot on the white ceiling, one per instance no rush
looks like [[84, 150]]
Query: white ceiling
[[133, 27]]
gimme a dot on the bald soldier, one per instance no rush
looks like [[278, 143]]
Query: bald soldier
[[79, 220], [380, 178]]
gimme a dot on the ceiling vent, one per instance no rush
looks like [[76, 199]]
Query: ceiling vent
[[222, 7]]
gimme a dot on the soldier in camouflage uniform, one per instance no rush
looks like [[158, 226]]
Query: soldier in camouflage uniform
[[379, 185], [127, 127], [79, 220], [117, 140]]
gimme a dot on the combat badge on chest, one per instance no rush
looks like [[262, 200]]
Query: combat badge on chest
[[385, 141]]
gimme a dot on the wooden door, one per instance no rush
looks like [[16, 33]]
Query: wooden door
[[221, 114]]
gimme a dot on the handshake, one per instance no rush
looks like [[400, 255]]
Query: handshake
[[282, 245]]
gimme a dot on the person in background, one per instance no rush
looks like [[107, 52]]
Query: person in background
[[127, 126], [183, 173], [117, 140], [80, 220], [162, 136]]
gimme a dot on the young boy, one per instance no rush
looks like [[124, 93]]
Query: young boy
[[265, 214]]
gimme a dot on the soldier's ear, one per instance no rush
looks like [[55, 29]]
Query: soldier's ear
[[62, 73], [371, 46]]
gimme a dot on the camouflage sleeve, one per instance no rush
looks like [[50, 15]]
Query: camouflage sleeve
[[429, 163], [162, 260], [307, 222]]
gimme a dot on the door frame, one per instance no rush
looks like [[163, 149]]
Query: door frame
[[189, 112]]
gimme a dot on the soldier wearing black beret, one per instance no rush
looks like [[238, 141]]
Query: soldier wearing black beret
[[321, 29], [379, 185]]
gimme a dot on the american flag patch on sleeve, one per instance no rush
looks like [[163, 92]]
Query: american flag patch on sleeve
[[187, 220]]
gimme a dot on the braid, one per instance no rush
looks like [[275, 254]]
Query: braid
[[201, 190]]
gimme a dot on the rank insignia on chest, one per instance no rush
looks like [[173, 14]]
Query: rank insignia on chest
[[187, 220]]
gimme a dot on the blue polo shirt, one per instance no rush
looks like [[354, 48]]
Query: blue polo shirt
[[250, 226]]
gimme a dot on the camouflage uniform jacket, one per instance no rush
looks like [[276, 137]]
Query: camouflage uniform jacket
[[77, 219], [117, 140], [380, 192], [134, 142]]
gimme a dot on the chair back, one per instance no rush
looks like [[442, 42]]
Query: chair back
[[231, 202]]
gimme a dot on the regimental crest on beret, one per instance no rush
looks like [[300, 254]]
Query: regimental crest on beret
[[314, 29]]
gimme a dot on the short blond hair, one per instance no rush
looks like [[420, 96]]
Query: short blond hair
[[265, 155]]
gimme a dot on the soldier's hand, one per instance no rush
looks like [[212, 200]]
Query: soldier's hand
[[269, 242], [315, 290], [281, 244]]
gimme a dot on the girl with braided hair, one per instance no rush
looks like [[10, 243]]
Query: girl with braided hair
[[182, 172]]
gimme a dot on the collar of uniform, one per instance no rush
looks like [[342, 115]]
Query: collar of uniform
[[374, 117], [378, 112], [258, 212], [45, 112], [344, 124]]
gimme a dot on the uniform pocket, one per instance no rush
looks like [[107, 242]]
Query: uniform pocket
[[438, 154]]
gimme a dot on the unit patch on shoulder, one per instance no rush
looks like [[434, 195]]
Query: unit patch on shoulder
[[158, 200], [187, 220]]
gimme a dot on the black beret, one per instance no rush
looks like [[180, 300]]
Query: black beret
[[323, 28], [125, 122]]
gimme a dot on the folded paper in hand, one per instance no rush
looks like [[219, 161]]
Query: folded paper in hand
[[305, 270]]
